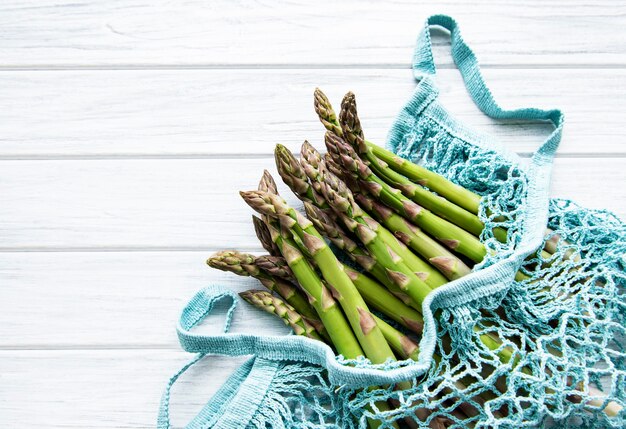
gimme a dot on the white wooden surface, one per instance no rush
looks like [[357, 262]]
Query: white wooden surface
[[126, 129]]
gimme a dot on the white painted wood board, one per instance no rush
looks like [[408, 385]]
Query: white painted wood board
[[190, 204], [200, 113], [88, 34], [103, 388], [95, 300]]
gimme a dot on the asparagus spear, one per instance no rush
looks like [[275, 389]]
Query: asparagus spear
[[274, 305], [438, 205], [353, 133], [349, 161], [394, 305], [439, 184], [355, 308], [243, 264], [399, 342], [417, 290], [442, 259], [417, 174], [267, 183], [351, 126]]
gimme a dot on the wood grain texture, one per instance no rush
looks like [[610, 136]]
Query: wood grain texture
[[211, 113], [111, 299], [186, 204], [103, 389], [221, 33], [127, 127]]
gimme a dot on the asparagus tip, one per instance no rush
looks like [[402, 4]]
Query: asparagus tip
[[267, 183]]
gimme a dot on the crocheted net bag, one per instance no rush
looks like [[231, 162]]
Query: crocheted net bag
[[561, 322]]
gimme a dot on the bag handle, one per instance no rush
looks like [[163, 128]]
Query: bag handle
[[235, 403], [466, 62], [274, 348]]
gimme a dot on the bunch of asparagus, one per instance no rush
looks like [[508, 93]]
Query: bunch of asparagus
[[408, 229]]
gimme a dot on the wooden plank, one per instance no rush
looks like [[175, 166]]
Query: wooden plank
[[138, 34], [195, 113], [185, 204], [103, 388], [111, 299]]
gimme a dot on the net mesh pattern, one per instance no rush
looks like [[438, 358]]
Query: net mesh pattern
[[549, 349]]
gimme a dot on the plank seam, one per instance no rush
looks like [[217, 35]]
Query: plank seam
[[296, 66], [122, 249], [235, 156]]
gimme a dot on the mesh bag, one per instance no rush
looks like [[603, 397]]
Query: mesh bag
[[528, 339]]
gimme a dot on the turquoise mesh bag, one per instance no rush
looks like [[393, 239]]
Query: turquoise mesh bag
[[562, 322]]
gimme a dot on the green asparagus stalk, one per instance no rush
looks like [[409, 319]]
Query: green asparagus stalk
[[438, 256], [313, 165], [372, 292], [355, 308], [438, 205], [274, 305], [342, 200], [268, 184], [344, 340], [401, 344], [417, 174], [352, 163], [468, 221], [433, 181], [394, 305]]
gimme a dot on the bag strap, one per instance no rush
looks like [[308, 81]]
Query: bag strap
[[466, 62], [235, 403], [274, 348]]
